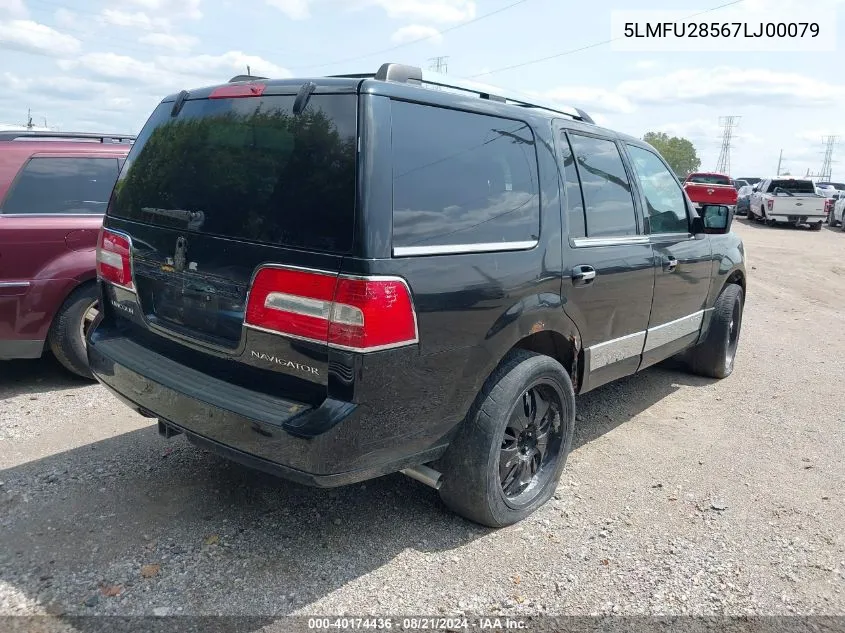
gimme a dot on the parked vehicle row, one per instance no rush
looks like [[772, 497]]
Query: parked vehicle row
[[345, 277], [54, 189]]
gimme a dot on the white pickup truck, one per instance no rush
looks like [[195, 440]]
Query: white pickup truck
[[788, 200], [835, 218]]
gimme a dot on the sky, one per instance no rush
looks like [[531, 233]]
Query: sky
[[94, 65]]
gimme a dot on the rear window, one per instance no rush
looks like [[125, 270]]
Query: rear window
[[793, 186], [709, 179], [62, 186], [247, 169], [461, 178]]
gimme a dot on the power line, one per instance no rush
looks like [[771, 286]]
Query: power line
[[416, 41], [584, 48]]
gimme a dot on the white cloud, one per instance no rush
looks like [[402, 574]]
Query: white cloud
[[178, 43], [414, 32], [138, 20], [213, 66], [729, 86], [442, 11], [15, 8], [39, 39], [438, 11], [646, 64], [590, 99], [174, 8], [115, 68], [294, 9]]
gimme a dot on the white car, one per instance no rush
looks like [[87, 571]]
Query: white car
[[835, 217], [788, 200]]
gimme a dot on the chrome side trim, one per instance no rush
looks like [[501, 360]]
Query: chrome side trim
[[615, 350], [668, 332], [611, 241], [14, 284], [457, 249]]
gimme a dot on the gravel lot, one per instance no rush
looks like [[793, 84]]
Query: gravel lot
[[682, 495]]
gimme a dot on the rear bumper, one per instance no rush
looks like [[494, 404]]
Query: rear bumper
[[328, 445], [801, 219]]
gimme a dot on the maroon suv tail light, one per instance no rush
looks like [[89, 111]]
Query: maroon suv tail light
[[361, 314], [113, 259]]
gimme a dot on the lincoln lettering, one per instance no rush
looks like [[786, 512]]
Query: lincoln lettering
[[285, 363]]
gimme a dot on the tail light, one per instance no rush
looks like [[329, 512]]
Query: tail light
[[361, 314], [113, 259], [770, 204]]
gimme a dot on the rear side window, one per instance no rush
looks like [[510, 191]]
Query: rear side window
[[62, 185], [247, 169], [462, 179], [793, 186], [709, 179], [607, 191], [574, 201]]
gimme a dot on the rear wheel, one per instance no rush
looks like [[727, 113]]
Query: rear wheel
[[831, 219], [70, 327], [816, 226], [714, 357], [508, 455]]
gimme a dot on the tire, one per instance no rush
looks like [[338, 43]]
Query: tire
[[474, 486], [816, 226], [67, 333], [714, 357], [831, 221]]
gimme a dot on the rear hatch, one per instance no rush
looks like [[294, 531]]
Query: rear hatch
[[214, 189]]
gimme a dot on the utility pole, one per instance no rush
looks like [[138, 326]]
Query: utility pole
[[780, 162], [729, 123], [439, 64]]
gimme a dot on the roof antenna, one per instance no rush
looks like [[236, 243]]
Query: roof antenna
[[248, 71]]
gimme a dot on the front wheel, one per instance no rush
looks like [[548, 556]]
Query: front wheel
[[508, 455], [70, 327], [714, 357]]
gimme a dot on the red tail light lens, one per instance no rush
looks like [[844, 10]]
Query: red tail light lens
[[770, 204], [357, 314], [235, 91], [113, 259]]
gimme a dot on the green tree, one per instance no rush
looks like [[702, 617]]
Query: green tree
[[679, 152]]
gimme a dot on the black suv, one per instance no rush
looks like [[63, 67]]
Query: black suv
[[337, 278]]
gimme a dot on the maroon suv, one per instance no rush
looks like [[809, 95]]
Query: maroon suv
[[54, 189]]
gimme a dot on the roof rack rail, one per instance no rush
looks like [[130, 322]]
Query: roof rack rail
[[402, 73], [237, 78], [81, 136]]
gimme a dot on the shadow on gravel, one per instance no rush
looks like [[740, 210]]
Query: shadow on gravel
[[19, 377], [135, 524], [782, 226], [602, 410]]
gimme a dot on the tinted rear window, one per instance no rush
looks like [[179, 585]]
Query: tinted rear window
[[62, 185], [793, 186], [709, 179], [247, 169], [461, 178]]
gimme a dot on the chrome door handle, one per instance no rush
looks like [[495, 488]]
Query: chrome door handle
[[671, 264], [583, 275]]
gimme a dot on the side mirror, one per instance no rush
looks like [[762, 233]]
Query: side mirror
[[717, 218], [698, 225]]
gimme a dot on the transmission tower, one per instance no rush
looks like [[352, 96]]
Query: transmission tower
[[439, 64], [827, 165], [729, 123]]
